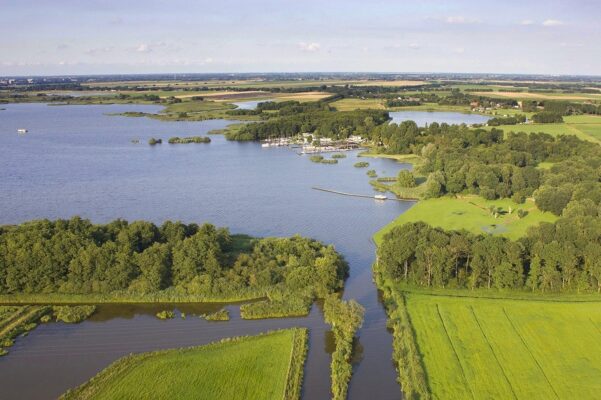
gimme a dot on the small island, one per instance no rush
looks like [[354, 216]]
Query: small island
[[190, 139]]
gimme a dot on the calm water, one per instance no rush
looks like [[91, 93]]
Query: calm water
[[423, 118], [76, 160], [251, 104]]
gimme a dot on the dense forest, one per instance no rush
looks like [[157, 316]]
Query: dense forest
[[458, 159], [330, 124], [76, 256], [564, 256]]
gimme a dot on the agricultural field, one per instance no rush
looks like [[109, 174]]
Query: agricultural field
[[263, 367], [472, 214], [586, 127], [503, 348], [540, 96], [358, 104], [292, 83]]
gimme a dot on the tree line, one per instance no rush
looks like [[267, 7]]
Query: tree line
[[76, 256], [563, 256], [330, 124]]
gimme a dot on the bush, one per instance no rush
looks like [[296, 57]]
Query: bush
[[372, 173], [289, 306], [316, 159], [339, 155], [361, 164], [73, 314], [191, 139], [152, 141], [406, 179], [166, 314], [221, 315]]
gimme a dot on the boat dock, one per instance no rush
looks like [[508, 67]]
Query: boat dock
[[374, 197]]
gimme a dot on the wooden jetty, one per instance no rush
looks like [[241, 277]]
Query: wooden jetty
[[375, 197]]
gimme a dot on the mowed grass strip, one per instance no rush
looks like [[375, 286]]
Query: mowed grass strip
[[245, 368], [503, 348]]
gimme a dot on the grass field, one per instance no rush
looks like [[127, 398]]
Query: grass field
[[358, 104], [262, 367], [471, 213], [586, 127], [508, 349], [259, 83], [541, 96]]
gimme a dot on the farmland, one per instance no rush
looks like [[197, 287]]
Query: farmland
[[472, 214], [504, 348], [267, 366], [585, 127]]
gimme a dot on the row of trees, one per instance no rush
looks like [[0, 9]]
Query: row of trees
[[345, 318], [76, 256], [564, 256], [336, 125]]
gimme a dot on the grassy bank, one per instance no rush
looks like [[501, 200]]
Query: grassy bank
[[125, 297], [473, 214], [267, 366]]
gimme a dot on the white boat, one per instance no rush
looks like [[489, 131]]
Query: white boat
[[380, 197], [265, 145], [21, 131]]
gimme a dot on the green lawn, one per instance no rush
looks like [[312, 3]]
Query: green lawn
[[503, 349], [471, 213], [262, 367]]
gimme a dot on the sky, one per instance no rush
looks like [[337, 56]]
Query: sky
[[62, 37]]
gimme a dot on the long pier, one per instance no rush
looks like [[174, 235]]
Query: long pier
[[359, 195]]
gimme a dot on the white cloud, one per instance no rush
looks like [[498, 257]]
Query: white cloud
[[565, 44], [148, 47], [459, 50], [527, 22], [143, 48], [414, 46], [552, 22], [98, 50], [311, 47], [461, 20]]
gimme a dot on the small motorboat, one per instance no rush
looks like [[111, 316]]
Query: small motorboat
[[380, 197], [22, 131]]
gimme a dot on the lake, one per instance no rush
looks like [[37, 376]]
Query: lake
[[250, 105], [77, 160], [423, 118]]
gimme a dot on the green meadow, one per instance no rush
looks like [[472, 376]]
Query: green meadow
[[586, 127], [507, 349], [472, 214], [263, 367]]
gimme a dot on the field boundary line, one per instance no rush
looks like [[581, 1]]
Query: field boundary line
[[493, 351], [467, 383], [530, 352], [597, 328]]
